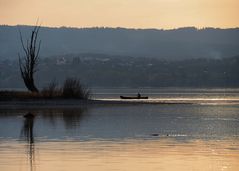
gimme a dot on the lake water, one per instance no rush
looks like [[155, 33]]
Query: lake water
[[140, 137]]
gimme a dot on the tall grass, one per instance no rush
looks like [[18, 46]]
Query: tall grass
[[71, 89], [52, 90]]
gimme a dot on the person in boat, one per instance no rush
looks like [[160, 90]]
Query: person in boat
[[139, 95]]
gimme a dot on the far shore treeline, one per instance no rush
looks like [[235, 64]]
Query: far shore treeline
[[117, 57], [99, 70]]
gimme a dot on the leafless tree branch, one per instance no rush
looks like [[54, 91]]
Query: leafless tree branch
[[28, 63]]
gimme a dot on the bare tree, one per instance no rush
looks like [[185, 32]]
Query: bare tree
[[28, 63]]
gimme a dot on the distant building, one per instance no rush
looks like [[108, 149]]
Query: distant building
[[61, 61]]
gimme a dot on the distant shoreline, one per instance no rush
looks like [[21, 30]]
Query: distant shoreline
[[74, 103]]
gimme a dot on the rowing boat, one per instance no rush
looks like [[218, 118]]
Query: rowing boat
[[133, 97]]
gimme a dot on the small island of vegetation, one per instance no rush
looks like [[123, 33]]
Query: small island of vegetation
[[72, 88]]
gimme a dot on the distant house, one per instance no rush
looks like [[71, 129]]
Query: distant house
[[61, 61], [102, 59]]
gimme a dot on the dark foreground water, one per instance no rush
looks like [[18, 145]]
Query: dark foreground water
[[184, 137]]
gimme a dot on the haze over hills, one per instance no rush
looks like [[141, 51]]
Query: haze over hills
[[182, 43], [123, 71]]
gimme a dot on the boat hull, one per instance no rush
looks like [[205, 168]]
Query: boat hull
[[130, 97]]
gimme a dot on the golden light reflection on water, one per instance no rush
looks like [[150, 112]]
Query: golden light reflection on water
[[129, 155], [202, 101]]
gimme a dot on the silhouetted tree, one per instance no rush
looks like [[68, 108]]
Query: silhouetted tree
[[28, 63]]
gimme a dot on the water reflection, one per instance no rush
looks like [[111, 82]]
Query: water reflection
[[138, 137], [72, 116], [28, 134], [127, 122], [128, 155]]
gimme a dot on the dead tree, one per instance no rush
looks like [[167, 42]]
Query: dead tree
[[28, 63]]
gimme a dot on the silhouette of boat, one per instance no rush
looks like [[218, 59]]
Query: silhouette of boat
[[133, 97]]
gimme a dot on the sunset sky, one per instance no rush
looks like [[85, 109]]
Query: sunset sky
[[122, 13]]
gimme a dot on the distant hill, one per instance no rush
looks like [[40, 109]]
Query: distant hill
[[182, 43]]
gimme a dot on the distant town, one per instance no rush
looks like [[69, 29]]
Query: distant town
[[100, 70]]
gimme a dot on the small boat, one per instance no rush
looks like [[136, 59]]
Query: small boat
[[133, 97]]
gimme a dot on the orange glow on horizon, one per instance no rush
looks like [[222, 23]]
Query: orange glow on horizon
[[122, 13]]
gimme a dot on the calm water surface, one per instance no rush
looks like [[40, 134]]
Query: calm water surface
[[122, 137]]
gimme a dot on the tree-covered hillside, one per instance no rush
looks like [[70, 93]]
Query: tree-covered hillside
[[98, 70]]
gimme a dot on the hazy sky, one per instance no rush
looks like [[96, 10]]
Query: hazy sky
[[122, 13]]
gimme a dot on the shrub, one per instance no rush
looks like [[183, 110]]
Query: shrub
[[72, 88], [51, 91]]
